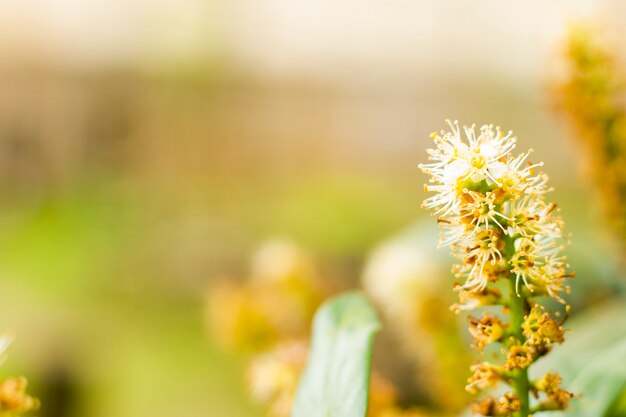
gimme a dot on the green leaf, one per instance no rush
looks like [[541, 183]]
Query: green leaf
[[619, 409], [601, 382], [335, 382]]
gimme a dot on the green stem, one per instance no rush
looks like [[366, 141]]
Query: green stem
[[520, 383]]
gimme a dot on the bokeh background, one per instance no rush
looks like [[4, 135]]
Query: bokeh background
[[147, 148]]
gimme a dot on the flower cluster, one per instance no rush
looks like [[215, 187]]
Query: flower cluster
[[591, 94], [14, 400], [503, 234], [13, 397], [245, 317], [273, 376]]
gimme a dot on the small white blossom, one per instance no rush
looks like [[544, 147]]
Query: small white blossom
[[492, 211]]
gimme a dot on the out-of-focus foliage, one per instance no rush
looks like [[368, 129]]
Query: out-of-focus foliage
[[94, 320], [619, 408], [602, 381], [267, 319], [336, 380]]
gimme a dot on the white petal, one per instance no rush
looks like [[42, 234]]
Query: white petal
[[455, 170], [497, 169]]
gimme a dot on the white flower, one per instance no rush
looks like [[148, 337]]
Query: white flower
[[280, 260], [492, 211], [458, 164], [400, 274]]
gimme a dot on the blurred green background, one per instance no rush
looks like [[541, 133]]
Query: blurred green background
[[146, 148]]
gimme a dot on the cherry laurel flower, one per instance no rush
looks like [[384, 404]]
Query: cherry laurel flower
[[491, 208], [492, 211]]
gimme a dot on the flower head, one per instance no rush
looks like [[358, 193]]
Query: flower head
[[540, 328], [519, 357], [557, 397], [472, 299], [459, 163], [508, 404], [491, 206], [485, 375], [485, 330], [13, 396]]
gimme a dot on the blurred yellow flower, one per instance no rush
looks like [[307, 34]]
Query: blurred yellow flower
[[273, 376], [591, 94], [276, 303], [13, 397], [407, 281]]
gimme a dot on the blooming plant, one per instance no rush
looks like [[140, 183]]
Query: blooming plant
[[507, 241]]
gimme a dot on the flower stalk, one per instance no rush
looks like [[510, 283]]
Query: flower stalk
[[517, 313], [507, 241]]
